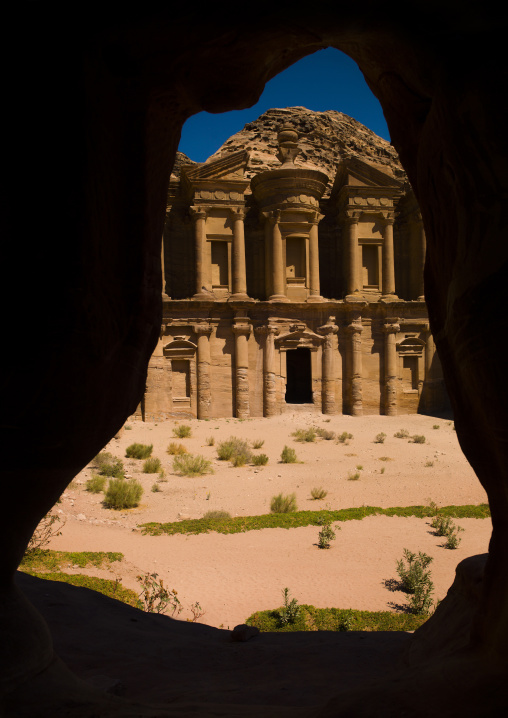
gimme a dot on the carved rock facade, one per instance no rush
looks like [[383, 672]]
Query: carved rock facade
[[298, 286]]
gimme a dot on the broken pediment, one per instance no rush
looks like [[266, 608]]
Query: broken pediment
[[356, 173], [299, 338], [230, 167]]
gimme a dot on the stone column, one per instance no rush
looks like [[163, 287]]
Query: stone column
[[278, 283], [239, 272], [203, 378], [391, 373], [241, 330], [353, 281], [199, 216], [269, 386], [314, 285], [355, 366], [328, 380], [388, 259]]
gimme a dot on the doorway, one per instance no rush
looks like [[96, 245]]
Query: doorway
[[299, 376]]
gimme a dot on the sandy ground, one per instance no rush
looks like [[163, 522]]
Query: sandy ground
[[233, 576]]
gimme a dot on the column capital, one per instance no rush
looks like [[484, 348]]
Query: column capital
[[355, 327], [199, 212], [238, 213], [202, 328], [315, 218], [352, 216], [388, 216], [329, 328], [242, 325], [391, 328], [268, 329]]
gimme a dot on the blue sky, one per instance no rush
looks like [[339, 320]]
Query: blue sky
[[326, 80]]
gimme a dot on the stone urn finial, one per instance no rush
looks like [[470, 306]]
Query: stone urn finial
[[288, 145]]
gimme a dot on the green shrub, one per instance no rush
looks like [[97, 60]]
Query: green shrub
[[156, 597], [210, 441], [318, 494], [380, 438], [139, 451], [383, 469], [176, 449], [189, 465], [418, 439], [353, 476], [360, 467], [217, 514], [182, 431], [96, 484], [305, 434], [260, 460], [258, 443], [156, 488], [44, 532], [326, 535], [385, 458], [152, 466], [281, 504], [416, 580], [122, 494], [288, 456], [289, 612], [109, 465], [444, 526], [325, 433], [436, 426], [343, 438], [233, 447], [402, 434], [429, 463]]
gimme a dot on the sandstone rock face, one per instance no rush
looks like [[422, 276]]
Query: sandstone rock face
[[326, 139]]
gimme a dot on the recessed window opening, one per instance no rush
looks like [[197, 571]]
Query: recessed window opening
[[370, 266], [295, 259], [220, 273], [299, 376], [181, 378], [410, 372]]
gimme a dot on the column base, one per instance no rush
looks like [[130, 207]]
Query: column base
[[240, 298], [315, 298], [356, 297], [278, 298], [389, 298], [201, 296]]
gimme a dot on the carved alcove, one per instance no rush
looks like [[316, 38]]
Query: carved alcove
[[300, 372], [411, 369], [180, 353]]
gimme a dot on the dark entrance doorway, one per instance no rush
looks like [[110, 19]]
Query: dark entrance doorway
[[299, 377]]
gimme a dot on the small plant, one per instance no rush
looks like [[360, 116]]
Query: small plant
[[45, 531], [109, 465], [436, 426], [127, 427], [232, 448], [305, 435], [152, 466], [385, 458], [326, 535], [344, 437], [156, 597], [289, 611], [210, 441], [176, 449], [156, 488], [380, 438], [383, 469], [353, 476], [359, 467], [444, 526], [325, 434], [418, 439], [217, 515], [196, 611], [189, 465], [318, 494], [416, 580], [402, 434], [122, 494], [260, 460], [96, 484], [452, 538], [281, 504], [288, 456], [162, 476], [182, 431], [429, 463], [139, 451], [258, 443]]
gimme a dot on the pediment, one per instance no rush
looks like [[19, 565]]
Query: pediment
[[179, 344], [356, 173], [231, 167], [300, 337]]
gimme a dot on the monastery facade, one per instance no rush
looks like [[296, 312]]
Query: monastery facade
[[276, 296]]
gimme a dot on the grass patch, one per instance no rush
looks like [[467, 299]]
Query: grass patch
[[176, 449], [122, 494], [325, 433], [418, 439], [318, 493], [113, 589], [182, 431], [386, 458], [189, 465], [109, 465], [283, 504], [152, 466], [344, 437], [402, 434], [139, 451], [156, 488], [235, 450], [288, 456], [380, 438], [49, 560], [96, 484], [260, 460], [210, 441], [240, 524], [310, 618], [217, 515], [258, 443], [353, 476], [305, 435]]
